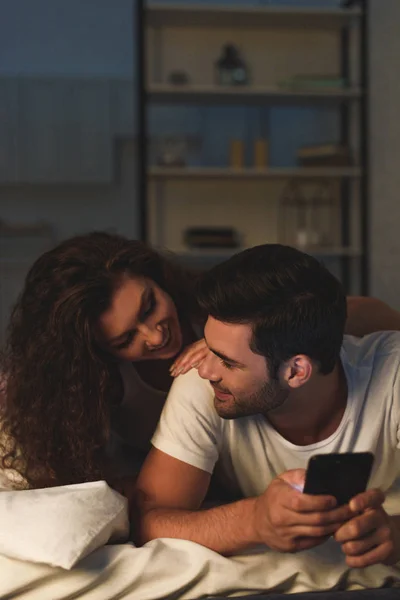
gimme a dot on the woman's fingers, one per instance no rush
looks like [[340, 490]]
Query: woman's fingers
[[190, 358]]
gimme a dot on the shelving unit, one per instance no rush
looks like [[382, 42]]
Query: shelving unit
[[278, 42]]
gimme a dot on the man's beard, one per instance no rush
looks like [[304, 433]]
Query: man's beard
[[270, 396]]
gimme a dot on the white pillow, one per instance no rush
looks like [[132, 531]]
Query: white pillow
[[60, 525]]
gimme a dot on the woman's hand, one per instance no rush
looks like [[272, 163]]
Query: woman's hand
[[190, 358]]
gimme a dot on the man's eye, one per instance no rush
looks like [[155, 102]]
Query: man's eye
[[226, 364]]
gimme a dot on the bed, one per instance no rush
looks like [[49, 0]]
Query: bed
[[52, 547]]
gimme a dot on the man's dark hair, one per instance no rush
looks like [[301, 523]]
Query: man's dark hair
[[293, 303]]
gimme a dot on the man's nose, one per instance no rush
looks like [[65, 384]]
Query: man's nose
[[208, 368]]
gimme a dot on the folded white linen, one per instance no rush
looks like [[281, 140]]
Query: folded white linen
[[60, 525]]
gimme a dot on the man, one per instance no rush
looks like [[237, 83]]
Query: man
[[279, 386]]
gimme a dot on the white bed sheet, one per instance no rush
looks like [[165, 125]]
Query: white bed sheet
[[179, 569], [49, 526]]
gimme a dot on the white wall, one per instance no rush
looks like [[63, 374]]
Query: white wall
[[75, 209], [71, 37], [384, 43]]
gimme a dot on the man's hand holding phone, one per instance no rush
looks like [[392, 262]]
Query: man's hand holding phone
[[289, 521], [371, 536]]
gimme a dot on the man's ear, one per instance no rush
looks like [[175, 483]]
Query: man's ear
[[297, 371]]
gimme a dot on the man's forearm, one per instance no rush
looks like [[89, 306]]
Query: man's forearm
[[367, 315], [225, 529]]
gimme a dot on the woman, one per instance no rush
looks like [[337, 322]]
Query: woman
[[90, 356], [90, 308]]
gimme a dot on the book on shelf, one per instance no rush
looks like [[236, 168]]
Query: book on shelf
[[324, 155], [322, 81], [211, 237]]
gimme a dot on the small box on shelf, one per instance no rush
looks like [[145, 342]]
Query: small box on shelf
[[211, 237]]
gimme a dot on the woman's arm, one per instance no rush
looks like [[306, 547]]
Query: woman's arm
[[367, 315]]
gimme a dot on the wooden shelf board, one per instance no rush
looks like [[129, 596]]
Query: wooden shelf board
[[198, 15], [212, 94], [223, 254], [157, 173]]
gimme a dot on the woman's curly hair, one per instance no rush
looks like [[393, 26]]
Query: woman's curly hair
[[59, 383]]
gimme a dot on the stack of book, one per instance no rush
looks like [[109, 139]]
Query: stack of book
[[324, 155]]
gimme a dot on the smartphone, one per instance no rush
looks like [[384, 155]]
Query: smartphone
[[340, 475]]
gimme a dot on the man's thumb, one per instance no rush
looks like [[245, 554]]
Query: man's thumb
[[295, 478]]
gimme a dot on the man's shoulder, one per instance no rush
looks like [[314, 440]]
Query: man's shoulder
[[192, 381], [190, 428], [191, 389]]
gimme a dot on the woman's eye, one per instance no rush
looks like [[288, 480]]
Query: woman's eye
[[150, 307], [127, 342]]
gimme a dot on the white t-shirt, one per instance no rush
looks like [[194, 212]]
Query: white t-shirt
[[251, 452]]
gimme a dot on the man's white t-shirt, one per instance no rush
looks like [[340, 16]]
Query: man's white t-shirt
[[251, 453]]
